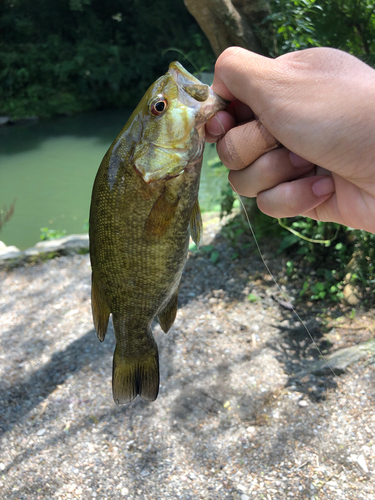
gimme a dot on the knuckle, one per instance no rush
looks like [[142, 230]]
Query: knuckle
[[227, 57], [224, 155], [289, 200]]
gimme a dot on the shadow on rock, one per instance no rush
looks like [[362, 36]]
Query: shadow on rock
[[296, 350], [21, 397]]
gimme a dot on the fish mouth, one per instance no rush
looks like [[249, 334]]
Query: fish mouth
[[196, 94], [199, 91], [181, 76]]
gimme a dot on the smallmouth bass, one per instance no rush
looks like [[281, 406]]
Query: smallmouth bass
[[144, 207]]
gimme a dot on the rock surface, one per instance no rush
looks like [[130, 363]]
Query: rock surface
[[67, 245], [8, 252], [232, 420], [340, 360], [4, 120]]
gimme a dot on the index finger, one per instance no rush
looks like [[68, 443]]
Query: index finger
[[241, 74], [236, 113]]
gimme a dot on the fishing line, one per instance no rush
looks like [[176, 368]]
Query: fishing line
[[361, 419], [278, 286], [186, 56]]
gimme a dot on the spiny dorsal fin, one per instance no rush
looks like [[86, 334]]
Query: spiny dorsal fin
[[196, 224]]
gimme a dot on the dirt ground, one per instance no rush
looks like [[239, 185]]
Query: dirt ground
[[238, 415]]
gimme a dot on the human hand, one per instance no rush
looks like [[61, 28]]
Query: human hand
[[317, 107]]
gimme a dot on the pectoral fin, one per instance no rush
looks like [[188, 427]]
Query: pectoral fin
[[161, 215], [196, 224], [100, 308], [167, 315]]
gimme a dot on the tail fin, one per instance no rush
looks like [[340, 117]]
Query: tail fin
[[132, 376]]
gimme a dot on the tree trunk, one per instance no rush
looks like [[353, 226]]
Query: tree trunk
[[228, 22]]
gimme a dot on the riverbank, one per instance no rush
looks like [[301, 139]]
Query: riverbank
[[68, 245], [240, 414]]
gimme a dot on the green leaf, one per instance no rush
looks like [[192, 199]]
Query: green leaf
[[214, 256], [252, 297]]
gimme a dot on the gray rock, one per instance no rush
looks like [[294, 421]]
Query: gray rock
[[68, 244], [25, 121], [9, 252], [351, 295], [341, 359], [5, 249], [31, 252], [4, 120], [11, 255]]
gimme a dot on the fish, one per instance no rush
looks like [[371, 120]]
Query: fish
[[144, 207]]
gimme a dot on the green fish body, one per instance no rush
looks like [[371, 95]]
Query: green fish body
[[144, 207]]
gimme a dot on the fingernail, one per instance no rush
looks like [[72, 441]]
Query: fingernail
[[323, 186], [298, 161], [216, 127]]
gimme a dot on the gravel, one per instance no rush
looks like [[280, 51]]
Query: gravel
[[232, 420]]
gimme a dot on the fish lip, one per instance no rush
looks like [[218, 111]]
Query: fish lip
[[204, 109], [181, 76]]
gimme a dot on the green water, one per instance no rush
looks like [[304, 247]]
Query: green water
[[49, 167]]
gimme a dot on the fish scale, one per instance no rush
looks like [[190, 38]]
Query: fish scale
[[144, 208]]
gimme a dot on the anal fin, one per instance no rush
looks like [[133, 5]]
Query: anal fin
[[100, 308], [167, 315]]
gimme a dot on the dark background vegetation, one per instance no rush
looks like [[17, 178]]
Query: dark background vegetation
[[66, 56], [70, 56]]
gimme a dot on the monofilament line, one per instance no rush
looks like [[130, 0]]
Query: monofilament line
[[278, 286]]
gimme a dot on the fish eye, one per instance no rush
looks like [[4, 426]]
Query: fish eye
[[158, 106]]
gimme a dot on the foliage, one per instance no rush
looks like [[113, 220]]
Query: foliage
[[293, 24], [345, 24], [51, 234], [340, 256], [206, 249], [348, 25], [71, 56], [252, 297]]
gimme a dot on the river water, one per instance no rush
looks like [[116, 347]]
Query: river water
[[49, 168]]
